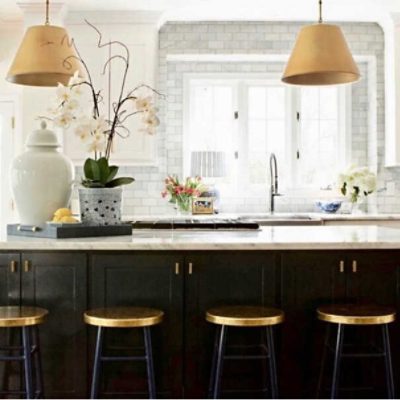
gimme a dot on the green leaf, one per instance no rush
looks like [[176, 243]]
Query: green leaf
[[119, 182], [113, 171], [103, 169], [91, 170], [92, 184]]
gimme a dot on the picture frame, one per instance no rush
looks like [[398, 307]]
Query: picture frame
[[203, 205]]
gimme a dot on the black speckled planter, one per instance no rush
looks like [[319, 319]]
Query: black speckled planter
[[100, 206]]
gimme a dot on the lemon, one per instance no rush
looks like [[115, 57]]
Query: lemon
[[62, 212], [68, 219]]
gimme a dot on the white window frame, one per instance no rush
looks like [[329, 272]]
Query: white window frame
[[245, 80]]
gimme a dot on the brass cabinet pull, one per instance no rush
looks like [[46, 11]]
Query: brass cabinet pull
[[26, 265], [176, 268], [341, 266], [190, 268], [354, 266], [13, 266]]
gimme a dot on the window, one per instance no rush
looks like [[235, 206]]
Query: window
[[246, 119]]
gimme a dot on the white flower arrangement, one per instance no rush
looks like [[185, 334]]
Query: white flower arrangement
[[356, 183]]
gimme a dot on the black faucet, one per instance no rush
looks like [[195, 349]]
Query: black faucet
[[273, 169]]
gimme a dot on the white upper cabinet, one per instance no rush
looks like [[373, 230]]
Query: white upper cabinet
[[136, 147]]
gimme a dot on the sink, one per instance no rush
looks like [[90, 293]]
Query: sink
[[281, 219]]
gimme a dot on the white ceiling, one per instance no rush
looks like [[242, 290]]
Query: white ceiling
[[357, 10]]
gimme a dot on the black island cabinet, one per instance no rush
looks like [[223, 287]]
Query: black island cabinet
[[184, 284]]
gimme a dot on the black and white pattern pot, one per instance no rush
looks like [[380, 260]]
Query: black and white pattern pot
[[100, 206]]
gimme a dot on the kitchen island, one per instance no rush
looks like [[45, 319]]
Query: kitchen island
[[184, 274]]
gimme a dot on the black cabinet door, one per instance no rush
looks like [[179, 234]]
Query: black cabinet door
[[57, 282], [373, 277], [9, 279], [146, 279], [309, 279], [216, 279]]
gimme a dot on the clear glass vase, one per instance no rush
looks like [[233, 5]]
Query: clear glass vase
[[183, 206]]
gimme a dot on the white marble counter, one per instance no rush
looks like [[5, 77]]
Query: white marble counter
[[267, 238]]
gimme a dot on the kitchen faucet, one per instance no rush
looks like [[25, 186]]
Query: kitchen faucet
[[273, 169]]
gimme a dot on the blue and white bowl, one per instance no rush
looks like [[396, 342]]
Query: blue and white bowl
[[329, 206]]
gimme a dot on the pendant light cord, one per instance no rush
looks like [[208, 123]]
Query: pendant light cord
[[320, 12], [47, 12]]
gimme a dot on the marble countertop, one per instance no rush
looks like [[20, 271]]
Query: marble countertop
[[312, 216], [267, 238]]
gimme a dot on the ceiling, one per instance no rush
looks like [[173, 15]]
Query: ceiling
[[356, 10]]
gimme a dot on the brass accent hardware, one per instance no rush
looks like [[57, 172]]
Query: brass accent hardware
[[352, 314], [341, 266], [27, 265], [15, 316], [176, 268], [354, 266], [13, 266], [245, 316], [123, 317], [190, 268]]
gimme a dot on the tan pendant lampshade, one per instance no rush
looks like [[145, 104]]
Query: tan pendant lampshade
[[45, 57], [321, 56]]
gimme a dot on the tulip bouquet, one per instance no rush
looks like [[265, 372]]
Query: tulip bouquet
[[86, 119], [182, 193], [357, 183]]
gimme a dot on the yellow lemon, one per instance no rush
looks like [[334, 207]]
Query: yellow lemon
[[69, 220], [63, 212]]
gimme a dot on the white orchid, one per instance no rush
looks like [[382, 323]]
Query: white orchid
[[98, 143], [150, 121], [143, 103], [64, 119], [63, 93]]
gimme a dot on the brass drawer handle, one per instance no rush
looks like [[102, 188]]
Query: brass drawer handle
[[341, 266], [13, 266], [190, 268], [176, 268], [354, 266], [27, 265]]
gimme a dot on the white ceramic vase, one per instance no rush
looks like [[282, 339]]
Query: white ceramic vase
[[41, 178]]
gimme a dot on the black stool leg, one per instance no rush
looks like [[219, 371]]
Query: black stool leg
[[336, 365], [97, 364], [38, 364], [220, 361], [272, 362], [388, 362], [27, 361], [149, 363], [214, 363], [323, 361]]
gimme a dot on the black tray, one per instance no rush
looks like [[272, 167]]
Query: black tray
[[68, 230]]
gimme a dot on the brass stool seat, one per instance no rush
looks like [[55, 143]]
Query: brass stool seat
[[353, 314], [123, 317], [245, 316], [15, 316]]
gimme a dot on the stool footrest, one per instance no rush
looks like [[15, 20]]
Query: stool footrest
[[123, 358], [244, 357]]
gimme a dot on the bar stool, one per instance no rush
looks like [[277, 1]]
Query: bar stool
[[357, 315], [245, 317], [27, 319], [123, 317]]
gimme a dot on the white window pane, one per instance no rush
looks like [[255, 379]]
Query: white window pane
[[257, 102], [276, 103], [257, 135], [329, 103], [309, 103]]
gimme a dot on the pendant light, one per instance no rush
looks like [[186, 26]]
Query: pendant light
[[321, 56], [46, 56]]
